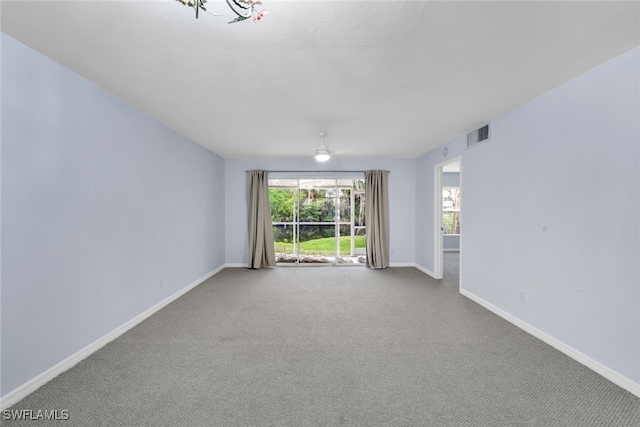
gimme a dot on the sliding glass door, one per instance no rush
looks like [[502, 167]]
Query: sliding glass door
[[318, 221], [283, 194]]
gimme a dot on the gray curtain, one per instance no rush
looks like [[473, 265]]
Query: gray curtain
[[261, 251], [377, 218]]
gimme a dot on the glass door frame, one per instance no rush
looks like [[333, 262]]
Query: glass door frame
[[337, 219]]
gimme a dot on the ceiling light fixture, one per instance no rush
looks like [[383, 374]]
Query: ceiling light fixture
[[245, 9], [322, 151]]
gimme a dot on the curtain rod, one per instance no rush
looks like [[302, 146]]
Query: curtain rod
[[307, 171]]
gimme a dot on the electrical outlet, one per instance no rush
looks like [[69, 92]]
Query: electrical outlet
[[161, 282], [521, 297]]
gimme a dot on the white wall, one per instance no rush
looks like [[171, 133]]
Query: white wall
[[401, 199], [98, 203], [551, 206]]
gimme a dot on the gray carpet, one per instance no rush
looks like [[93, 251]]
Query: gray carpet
[[330, 346]]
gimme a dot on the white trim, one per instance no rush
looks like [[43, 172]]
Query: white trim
[[32, 385], [438, 237], [402, 264], [425, 270], [451, 250], [236, 265], [613, 376]]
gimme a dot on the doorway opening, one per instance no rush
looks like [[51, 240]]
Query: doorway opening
[[318, 221], [447, 229]]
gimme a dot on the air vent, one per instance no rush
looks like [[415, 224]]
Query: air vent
[[478, 136]]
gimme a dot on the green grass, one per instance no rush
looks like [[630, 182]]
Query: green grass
[[325, 246]]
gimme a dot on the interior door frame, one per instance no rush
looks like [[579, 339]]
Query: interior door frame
[[438, 220]]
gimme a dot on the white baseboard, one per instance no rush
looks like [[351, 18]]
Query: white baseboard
[[402, 264], [605, 371], [32, 385], [236, 265], [424, 270]]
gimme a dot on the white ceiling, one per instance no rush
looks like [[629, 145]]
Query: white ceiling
[[383, 78]]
